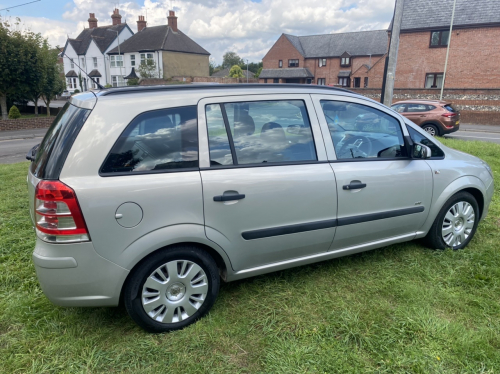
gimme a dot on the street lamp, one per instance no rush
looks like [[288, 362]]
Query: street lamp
[[119, 54]]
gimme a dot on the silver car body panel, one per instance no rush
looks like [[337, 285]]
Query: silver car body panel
[[178, 207]]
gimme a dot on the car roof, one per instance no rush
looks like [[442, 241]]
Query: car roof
[[423, 101]]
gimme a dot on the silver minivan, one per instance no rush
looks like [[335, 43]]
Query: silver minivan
[[152, 195]]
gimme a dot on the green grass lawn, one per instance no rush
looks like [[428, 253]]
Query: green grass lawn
[[398, 309]]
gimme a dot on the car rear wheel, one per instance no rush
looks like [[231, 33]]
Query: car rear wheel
[[172, 289], [455, 224], [431, 129]]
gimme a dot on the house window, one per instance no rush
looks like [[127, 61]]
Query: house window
[[117, 81], [132, 60], [95, 62], [345, 82], [276, 80], [322, 62], [71, 83], [72, 63], [345, 61], [439, 38], [116, 61], [265, 80], [321, 82], [280, 64], [357, 82], [366, 82], [95, 82], [293, 63], [145, 56], [434, 80], [308, 81], [83, 62]]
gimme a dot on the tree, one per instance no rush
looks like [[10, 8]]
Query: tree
[[258, 72], [211, 66], [54, 84], [133, 82], [147, 69], [230, 59], [18, 62], [40, 73], [236, 72]]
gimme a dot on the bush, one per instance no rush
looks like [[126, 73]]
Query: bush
[[76, 91], [108, 86], [133, 82], [14, 112], [236, 72]]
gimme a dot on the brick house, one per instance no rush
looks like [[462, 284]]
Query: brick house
[[354, 59], [474, 49], [174, 53]]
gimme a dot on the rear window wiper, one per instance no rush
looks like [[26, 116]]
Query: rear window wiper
[[32, 153]]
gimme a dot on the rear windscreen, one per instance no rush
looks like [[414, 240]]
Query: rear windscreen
[[450, 108], [54, 149]]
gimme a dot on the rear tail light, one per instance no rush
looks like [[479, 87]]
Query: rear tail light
[[58, 215], [449, 115]]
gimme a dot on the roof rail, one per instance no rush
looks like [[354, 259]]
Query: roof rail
[[139, 89]]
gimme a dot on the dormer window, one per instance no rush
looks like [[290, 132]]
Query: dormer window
[[322, 62], [345, 61], [439, 39], [293, 63]]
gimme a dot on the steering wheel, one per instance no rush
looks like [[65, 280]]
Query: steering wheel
[[358, 145]]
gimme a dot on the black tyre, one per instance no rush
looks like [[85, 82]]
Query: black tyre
[[456, 223], [172, 289], [430, 129]]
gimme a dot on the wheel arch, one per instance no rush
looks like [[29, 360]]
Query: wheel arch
[[435, 124]]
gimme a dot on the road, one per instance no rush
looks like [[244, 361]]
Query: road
[[15, 150], [492, 137]]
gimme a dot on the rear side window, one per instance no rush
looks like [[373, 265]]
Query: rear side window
[[58, 140], [156, 141], [260, 132]]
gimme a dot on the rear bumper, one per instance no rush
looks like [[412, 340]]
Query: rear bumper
[[449, 130], [75, 275]]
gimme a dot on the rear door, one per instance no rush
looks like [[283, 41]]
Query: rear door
[[383, 194], [269, 193]]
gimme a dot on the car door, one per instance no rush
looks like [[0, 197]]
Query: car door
[[417, 113], [269, 193], [383, 195]]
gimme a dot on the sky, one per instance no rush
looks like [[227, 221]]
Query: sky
[[247, 27]]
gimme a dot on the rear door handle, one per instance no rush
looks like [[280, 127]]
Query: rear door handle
[[229, 197], [354, 186]]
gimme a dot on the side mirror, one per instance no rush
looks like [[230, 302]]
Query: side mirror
[[421, 151]]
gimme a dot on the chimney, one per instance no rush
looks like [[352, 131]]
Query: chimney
[[141, 23], [116, 17], [92, 21], [172, 20]]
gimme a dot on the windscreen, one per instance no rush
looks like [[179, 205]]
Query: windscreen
[[54, 149]]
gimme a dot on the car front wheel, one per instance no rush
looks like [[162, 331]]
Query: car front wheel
[[455, 224], [172, 289]]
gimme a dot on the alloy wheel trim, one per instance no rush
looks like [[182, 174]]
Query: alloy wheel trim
[[458, 224]]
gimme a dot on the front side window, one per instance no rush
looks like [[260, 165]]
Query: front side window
[[164, 139], [434, 80], [439, 38], [362, 132], [400, 108], [293, 63], [261, 132], [422, 139]]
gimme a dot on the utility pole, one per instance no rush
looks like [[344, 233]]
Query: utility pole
[[448, 49], [247, 70], [393, 53]]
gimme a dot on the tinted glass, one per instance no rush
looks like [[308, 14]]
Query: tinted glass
[[359, 131], [271, 131], [220, 151], [422, 139], [450, 108], [417, 108], [158, 140], [444, 37], [56, 144]]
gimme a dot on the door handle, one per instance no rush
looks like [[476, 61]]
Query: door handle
[[229, 197], [354, 186]]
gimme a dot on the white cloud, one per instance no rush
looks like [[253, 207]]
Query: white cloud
[[248, 28]]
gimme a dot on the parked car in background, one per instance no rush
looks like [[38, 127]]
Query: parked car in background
[[435, 117], [153, 195]]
